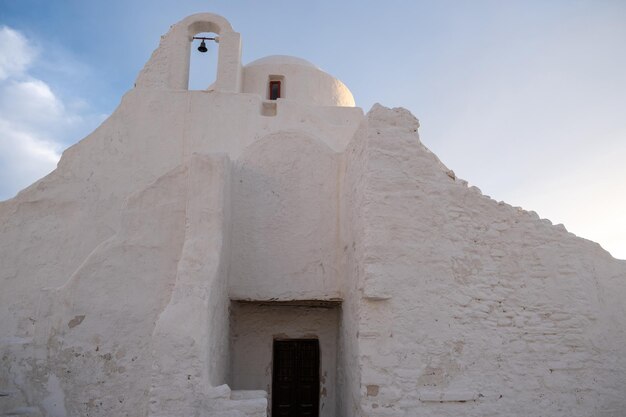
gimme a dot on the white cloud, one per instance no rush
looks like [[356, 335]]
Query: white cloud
[[30, 101], [23, 157], [33, 119], [16, 54]]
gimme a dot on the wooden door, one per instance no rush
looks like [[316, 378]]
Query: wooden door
[[296, 379]]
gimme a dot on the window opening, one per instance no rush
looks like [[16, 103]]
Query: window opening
[[274, 92]]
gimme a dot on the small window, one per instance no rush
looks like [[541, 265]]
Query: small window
[[274, 92]]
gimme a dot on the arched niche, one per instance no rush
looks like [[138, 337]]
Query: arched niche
[[168, 67]]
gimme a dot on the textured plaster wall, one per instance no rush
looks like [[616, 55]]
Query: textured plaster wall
[[190, 356], [253, 330], [473, 307], [285, 220], [107, 236], [352, 186], [90, 347]]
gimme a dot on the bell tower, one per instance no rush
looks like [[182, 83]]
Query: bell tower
[[168, 67]]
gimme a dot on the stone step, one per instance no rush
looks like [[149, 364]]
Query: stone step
[[247, 394], [222, 402]]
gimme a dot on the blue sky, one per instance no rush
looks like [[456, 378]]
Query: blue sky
[[524, 99]]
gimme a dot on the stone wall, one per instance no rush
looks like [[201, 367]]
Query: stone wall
[[473, 307]]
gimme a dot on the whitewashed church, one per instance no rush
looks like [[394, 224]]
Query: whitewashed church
[[266, 248]]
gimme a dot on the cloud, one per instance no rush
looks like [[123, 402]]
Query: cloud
[[23, 158], [33, 119], [16, 54], [30, 101]]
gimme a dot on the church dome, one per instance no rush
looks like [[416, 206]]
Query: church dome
[[282, 60], [291, 78]]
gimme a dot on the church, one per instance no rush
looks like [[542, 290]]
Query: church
[[266, 248]]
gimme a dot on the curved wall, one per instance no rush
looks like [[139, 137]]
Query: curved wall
[[301, 81]]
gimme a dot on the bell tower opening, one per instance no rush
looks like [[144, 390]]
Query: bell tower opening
[[203, 61], [170, 65]]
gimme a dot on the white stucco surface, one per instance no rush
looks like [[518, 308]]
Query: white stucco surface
[[117, 269], [285, 209]]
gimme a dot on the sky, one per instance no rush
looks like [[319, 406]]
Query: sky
[[524, 99]]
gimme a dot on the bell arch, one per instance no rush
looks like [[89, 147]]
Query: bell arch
[[203, 63], [168, 67]]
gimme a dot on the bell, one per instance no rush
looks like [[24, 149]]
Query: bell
[[202, 47]]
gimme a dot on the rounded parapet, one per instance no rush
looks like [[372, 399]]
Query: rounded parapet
[[205, 22]]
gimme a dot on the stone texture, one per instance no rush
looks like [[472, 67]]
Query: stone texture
[[479, 304]]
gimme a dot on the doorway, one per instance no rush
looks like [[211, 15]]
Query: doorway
[[256, 326], [296, 378]]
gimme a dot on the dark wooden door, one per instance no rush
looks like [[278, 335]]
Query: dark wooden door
[[296, 378]]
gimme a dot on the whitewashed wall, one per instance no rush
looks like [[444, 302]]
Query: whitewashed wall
[[93, 254], [285, 204], [473, 307]]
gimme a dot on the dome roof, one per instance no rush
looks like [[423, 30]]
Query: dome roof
[[282, 60], [297, 79]]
